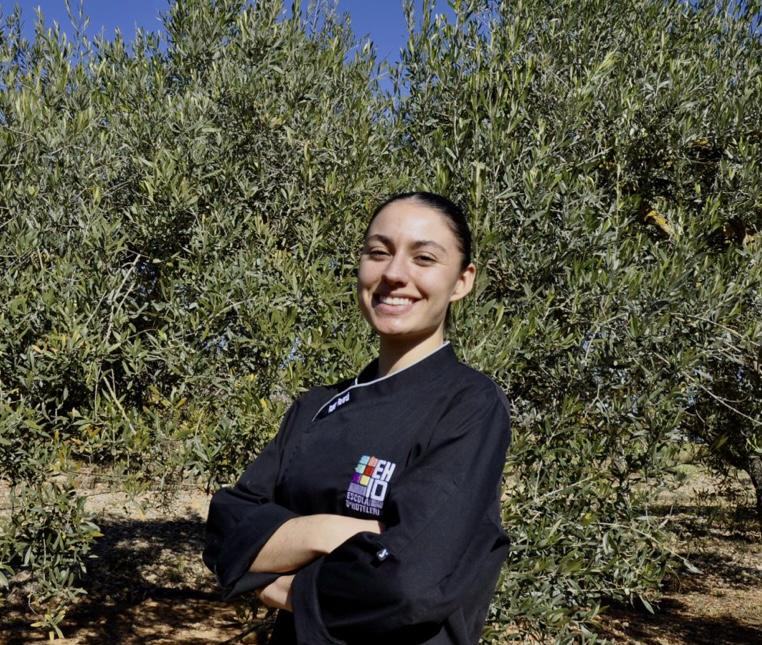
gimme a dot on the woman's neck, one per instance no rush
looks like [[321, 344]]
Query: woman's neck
[[394, 356]]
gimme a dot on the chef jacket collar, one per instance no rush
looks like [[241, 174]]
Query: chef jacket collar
[[422, 371], [365, 377]]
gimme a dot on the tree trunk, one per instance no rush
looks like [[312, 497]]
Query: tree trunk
[[755, 472]]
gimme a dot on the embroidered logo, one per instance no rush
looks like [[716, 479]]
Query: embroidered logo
[[370, 481]]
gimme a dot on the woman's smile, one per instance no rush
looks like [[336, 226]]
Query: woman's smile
[[393, 305]]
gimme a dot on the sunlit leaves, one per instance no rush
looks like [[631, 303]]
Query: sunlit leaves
[[179, 231]]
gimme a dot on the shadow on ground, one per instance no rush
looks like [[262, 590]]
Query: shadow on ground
[[145, 584], [737, 521], [722, 603], [675, 623]]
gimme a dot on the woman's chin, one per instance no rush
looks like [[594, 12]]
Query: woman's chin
[[391, 331], [399, 334]]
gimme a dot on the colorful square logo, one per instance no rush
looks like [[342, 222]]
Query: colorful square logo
[[369, 485]]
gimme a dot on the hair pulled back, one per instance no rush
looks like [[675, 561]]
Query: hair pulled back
[[453, 213]]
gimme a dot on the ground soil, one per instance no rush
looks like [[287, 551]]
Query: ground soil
[[719, 534], [146, 582]]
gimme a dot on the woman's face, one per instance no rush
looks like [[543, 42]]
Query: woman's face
[[410, 271]]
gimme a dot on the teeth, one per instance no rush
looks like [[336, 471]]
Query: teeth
[[387, 300]]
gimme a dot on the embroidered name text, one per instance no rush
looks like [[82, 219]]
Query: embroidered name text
[[338, 402]]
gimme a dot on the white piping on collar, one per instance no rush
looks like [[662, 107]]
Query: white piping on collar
[[378, 380], [381, 378]]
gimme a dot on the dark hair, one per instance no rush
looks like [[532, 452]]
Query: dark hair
[[454, 214]]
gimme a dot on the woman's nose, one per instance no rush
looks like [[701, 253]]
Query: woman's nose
[[395, 270]]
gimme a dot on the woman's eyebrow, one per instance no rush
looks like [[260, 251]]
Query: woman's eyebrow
[[420, 243], [377, 237]]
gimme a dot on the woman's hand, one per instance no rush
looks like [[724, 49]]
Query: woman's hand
[[277, 594], [298, 542]]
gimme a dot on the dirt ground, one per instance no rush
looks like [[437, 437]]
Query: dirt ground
[[722, 603], [146, 582]]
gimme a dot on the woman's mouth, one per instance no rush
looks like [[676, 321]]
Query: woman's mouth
[[395, 300], [392, 304]]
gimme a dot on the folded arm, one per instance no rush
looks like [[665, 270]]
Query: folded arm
[[302, 539], [298, 542], [251, 540]]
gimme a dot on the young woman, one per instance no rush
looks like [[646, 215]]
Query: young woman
[[374, 514]]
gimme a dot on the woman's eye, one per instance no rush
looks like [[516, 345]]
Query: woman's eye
[[426, 259], [376, 253]]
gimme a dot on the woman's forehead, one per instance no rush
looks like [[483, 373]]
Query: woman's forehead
[[410, 221]]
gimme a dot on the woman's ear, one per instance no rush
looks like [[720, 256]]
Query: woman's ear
[[465, 283]]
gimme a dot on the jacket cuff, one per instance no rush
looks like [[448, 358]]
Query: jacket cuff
[[242, 546], [308, 620], [250, 581]]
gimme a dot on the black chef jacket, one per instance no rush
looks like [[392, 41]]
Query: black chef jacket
[[422, 450]]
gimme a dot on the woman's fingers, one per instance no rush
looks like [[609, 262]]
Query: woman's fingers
[[277, 594]]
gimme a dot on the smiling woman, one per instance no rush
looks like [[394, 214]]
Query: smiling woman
[[415, 262], [374, 513]]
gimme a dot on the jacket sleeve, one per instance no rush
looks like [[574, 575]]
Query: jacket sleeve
[[242, 518], [442, 522]]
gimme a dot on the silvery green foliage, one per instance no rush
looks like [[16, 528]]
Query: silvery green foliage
[[179, 231], [50, 534], [178, 235], [609, 156]]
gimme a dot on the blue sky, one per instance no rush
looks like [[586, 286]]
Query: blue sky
[[381, 20]]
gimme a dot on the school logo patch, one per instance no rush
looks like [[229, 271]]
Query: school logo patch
[[370, 481]]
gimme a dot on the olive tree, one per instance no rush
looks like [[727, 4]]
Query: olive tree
[[178, 231], [609, 157], [180, 218]]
